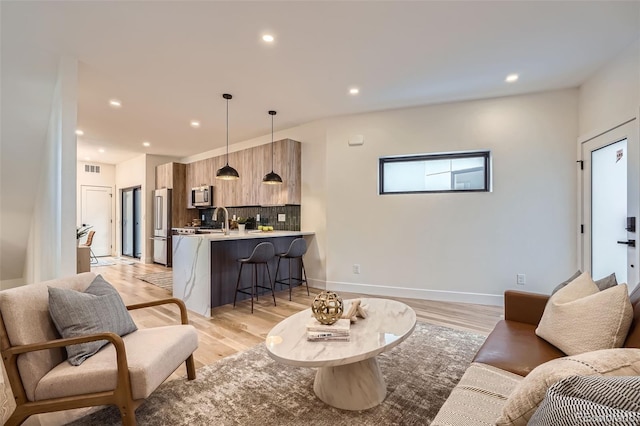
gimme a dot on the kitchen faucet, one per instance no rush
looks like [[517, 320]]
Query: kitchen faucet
[[225, 223]]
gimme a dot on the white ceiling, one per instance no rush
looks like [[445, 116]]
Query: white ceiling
[[170, 62]]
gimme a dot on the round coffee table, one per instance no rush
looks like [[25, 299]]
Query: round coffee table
[[348, 375]]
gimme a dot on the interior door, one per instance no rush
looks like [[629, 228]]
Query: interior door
[[96, 207], [610, 203]]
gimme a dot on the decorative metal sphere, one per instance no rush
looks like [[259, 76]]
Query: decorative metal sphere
[[327, 307]]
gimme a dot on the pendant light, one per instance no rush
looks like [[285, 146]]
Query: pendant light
[[272, 178], [227, 172]]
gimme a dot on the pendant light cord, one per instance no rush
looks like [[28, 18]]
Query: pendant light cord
[[272, 144], [227, 131]]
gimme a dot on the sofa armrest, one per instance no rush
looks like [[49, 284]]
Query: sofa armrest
[[524, 307], [184, 319]]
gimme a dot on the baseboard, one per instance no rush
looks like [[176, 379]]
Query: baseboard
[[319, 284], [418, 293], [7, 284]]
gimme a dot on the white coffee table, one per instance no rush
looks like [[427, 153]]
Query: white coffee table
[[348, 375]]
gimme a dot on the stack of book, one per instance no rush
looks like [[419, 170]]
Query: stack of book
[[338, 331]]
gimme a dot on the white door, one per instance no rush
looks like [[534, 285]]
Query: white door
[[96, 206], [610, 204]]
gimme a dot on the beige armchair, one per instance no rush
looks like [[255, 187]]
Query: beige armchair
[[123, 373]]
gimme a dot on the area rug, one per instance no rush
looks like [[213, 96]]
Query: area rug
[[103, 261], [161, 279], [108, 261], [250, 388]]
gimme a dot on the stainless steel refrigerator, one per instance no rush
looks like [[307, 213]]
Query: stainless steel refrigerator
[[162, 226]]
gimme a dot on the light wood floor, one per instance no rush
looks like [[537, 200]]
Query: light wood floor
[[231, 330]]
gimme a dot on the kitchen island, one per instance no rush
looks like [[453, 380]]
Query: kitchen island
[[205, 266]]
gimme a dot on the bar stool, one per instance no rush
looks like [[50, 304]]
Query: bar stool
[[261, 254], [297, 249], [93, 258]]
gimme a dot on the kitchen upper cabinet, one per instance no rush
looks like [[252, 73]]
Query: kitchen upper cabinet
[[227, 192], [252, 164], [164, 176], [173, 176], [287, 164], [199, 173]]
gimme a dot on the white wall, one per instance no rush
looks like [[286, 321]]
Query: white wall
[[612, 94], [452, 246], [106, 178], [51, 249], [314, 199]]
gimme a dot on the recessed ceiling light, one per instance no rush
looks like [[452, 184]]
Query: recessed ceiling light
[[115, 103], [511, 78], [354, 91], [101, 150], [268, 38], [79, 132], [145, 143], [195, 124]]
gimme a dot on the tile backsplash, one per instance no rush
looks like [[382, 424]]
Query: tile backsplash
[[268, 216]]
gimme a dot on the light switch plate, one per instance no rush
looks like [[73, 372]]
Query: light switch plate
[[282, 217]]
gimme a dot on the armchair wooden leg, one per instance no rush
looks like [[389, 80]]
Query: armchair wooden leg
[[127, 414], [191, 368]]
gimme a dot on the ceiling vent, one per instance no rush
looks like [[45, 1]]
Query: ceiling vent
[[90, 168]]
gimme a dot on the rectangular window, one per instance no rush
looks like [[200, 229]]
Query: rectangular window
[[451, 172]]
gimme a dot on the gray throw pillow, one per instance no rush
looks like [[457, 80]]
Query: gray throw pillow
[[607, 282], [602, 283], [99, 309], [567, 281]]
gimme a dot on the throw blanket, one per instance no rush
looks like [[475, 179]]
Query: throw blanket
[[590, 400]]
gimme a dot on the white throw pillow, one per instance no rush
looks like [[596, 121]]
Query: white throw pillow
[[579, 318]]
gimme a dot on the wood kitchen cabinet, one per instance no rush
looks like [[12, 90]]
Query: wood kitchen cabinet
[[173, 176], [287, 164], [252, 164]]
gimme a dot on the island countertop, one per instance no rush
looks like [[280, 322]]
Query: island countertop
[[235, 235]]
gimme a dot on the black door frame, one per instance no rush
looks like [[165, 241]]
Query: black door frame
[[135, 207]]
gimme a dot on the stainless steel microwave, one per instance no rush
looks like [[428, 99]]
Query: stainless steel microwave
[[202, 196]]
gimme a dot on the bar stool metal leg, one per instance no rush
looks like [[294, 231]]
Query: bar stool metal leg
[[237, 285], [289, 279], [304, 272], [254, 282], [275, 278], [272, 284]]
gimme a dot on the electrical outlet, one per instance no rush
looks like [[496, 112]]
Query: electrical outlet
[[202, 216], [356, 268], [521, 279], [282, 217]]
